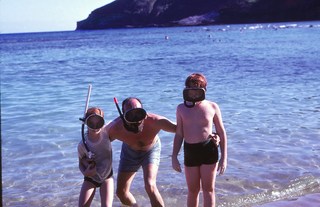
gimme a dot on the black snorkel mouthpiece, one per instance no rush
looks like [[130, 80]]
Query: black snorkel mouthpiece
[[193, 95]]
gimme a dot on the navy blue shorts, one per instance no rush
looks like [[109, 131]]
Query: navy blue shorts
[[200, 153]]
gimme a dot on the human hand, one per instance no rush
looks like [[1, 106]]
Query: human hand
[[176, 164], [215, 138], [222, 166], [91, 169]]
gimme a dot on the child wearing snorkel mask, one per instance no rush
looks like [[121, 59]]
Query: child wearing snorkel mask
[[195, 120], [95, 160]]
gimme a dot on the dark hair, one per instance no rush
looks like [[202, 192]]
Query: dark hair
[[196, 79], [125, 101]]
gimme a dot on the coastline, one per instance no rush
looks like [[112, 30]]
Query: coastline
[[301, 201]]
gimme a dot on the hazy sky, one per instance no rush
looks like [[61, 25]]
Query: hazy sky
[[44, 15]]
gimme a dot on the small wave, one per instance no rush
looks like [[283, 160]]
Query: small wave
[[298, 187]]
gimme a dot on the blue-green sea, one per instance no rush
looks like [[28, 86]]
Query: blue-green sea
[[265, 78]]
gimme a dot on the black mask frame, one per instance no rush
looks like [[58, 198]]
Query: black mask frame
[[193, 95]]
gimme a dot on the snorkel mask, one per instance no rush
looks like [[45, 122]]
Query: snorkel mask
[[94, 121], [193, 95], [132, 119]]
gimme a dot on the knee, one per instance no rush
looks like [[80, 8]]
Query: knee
[[208, 189], [194, 190], [120, 193], [150, 187]]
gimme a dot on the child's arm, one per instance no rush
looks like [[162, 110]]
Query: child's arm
[[223, 140], [87, 167], [176, 148], [178, 139]]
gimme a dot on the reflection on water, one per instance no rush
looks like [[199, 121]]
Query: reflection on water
[[264, 80]]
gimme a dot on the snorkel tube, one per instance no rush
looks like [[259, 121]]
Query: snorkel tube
[[117, 105], [121, 114], [90, 154]]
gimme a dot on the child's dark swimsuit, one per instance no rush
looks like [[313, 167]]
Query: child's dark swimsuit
[[98, 185], [200, 153]]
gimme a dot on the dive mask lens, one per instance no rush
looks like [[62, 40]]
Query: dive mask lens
[[135, 115], [94, 121], [194, 94]]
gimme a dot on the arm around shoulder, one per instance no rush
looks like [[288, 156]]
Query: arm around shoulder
[[165, 124]]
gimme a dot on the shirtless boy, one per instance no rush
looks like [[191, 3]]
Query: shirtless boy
[[195, 120]]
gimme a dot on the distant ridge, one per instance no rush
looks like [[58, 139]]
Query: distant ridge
[[165, 13]]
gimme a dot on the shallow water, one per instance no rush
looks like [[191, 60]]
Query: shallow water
[[265, 79]]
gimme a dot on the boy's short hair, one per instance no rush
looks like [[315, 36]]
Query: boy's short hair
[[196, 79], [94, 110]]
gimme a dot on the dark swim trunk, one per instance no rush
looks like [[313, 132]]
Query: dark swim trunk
[[95, 183], [200, 153]]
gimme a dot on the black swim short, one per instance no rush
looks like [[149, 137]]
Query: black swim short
[[96, 183], [200, 153]]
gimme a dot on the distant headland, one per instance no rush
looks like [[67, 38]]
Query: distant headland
[[166, 13]]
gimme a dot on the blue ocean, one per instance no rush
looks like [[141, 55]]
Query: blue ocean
[[265, 78]]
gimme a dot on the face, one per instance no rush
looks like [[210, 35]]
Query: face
[[134, 116], [94, 122], [193, 94]]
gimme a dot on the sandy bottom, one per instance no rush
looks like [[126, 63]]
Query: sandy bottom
[[311, 200]]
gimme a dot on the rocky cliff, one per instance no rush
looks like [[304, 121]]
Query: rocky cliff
[[157, 13]]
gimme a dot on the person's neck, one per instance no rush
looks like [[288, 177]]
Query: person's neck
[[93, 136]]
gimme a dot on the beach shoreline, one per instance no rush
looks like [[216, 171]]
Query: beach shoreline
[[309, 200]]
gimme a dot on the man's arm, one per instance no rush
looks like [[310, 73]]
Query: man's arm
[[110, 129], [167, 125]]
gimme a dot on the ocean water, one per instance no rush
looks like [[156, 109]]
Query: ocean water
[[265, 78]]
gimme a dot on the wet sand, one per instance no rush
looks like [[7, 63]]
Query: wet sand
[[311, 200]]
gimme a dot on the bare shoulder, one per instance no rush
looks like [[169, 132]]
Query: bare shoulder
[[213, 104], [113, 127], [180, 107]]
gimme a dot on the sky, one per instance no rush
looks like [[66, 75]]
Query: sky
[[20, 16]]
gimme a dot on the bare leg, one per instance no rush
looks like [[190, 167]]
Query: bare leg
[[123, 188], [106, 192], [86, 194], [193, 183], [208, 180], [150, 182]]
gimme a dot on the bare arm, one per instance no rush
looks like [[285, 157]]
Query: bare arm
[[167, 125], [109, 129], [178, 139], [223, 140], [86, 166]]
